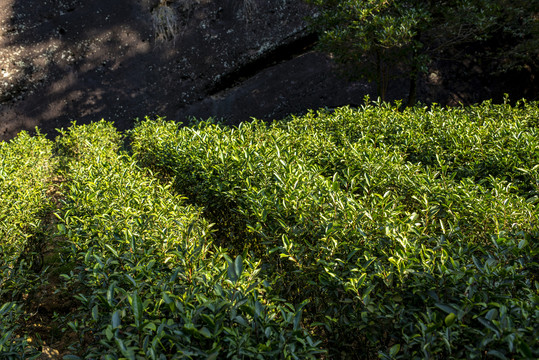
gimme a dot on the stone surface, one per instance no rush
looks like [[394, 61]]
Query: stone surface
[[67, 60]]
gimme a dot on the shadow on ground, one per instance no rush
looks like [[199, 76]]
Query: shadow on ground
[[75, 60]]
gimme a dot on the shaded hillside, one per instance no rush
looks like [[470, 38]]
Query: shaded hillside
[[73, 60], [66, 60]]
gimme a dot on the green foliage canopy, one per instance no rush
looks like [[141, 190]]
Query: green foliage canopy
[[379, 39]]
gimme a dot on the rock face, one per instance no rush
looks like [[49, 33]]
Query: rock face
[[77, 60], [67, 60]]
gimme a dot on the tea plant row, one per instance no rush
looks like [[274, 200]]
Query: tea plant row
[[26, 170], [374, 231], [153, 284], [409, 233]]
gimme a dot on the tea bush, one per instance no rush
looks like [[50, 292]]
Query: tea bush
[[410, 234], [368, 232], [26, 168], [152, 283]]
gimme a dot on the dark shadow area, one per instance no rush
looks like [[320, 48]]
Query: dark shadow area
[[281, 89], [77, 60], [285, 52], [82, 61]]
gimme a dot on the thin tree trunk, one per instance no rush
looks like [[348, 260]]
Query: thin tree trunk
[[412, 92], [380, 78], [414, 74]]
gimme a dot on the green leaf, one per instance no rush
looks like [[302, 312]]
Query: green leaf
[[490, 325], [108, 333], [130, 278], [258, 308], [238, 266], [205, 332], [61, 230], [497, 354], [361, 280], [450, 319], [367, 179], [297, 319], [174, 275], [166, 298], [110, 294], [128, 353], [112, 250], [136, 306], [6, 308], [232, 272], [492, 314], [477, 263], [525, 350], [151, 326], [394, 350], [335, 184], [132, 243], [95, 313], [210, 320], [116, 320], [448, 309]]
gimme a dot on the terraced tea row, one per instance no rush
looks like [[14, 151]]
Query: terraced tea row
[[374, 231], [26, 170], [409, 233]]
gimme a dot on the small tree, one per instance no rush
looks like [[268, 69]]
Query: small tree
[[379, 39]]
